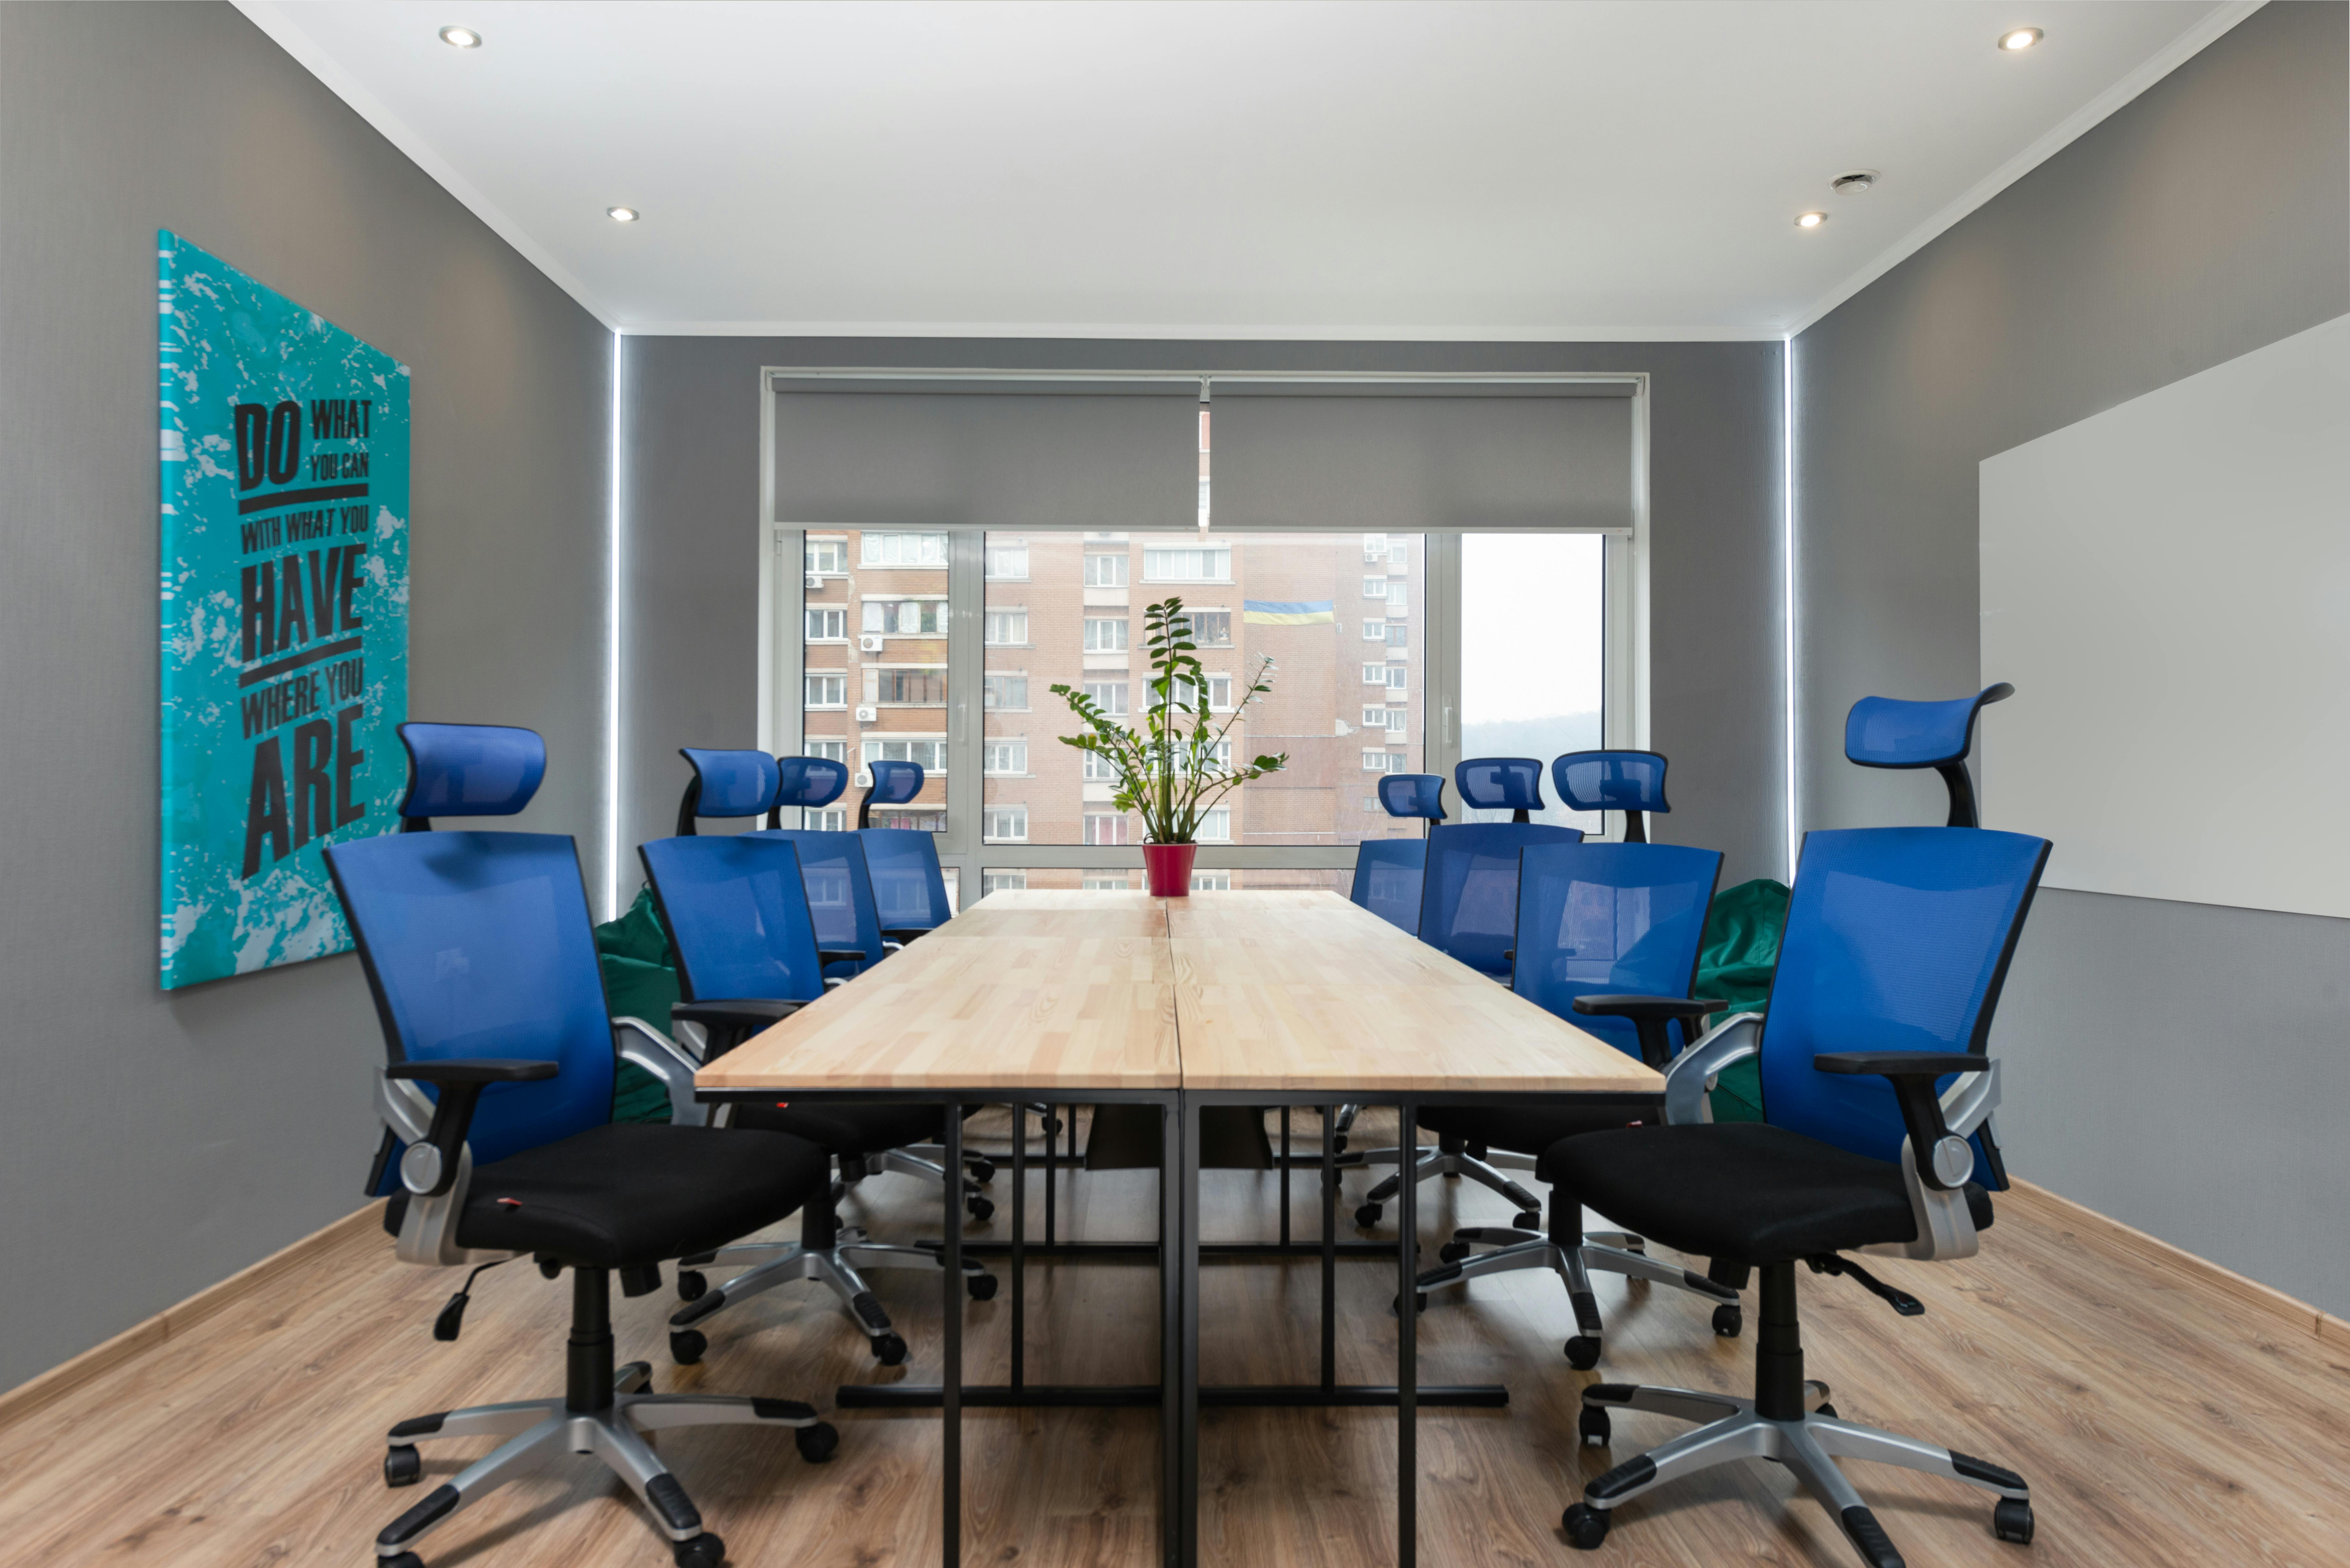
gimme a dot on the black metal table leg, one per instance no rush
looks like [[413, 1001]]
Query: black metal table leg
[[1019, 1242], [1329, 1251], [1284, 1175], [1187, 1391], [1175, 1526], [1407, 1334], [951, 1380]]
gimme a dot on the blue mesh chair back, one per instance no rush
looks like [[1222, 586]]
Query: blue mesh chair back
[[468, 770], [1897, 939], [1595, 919], [894, 784], [1501, 784], [1469, 893], [1387, 874], [839, 893], [1889, 732], [1630, 781], [738, 915], [909, 889], [479, 944], [809, 781], [726, 784], [1413, 794]]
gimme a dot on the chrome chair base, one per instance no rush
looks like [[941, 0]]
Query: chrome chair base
[[836, 1267], [1573, 1265], [1437, 1161]]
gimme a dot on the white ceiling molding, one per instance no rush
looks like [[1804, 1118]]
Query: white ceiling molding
[[1612, 333]]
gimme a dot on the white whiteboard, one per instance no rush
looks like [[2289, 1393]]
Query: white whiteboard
[[2168, 584]]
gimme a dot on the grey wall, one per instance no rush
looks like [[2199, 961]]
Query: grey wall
[[691, 514], [150, 1144], [2177, 1067]]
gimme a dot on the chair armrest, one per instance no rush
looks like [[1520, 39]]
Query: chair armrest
[[1649, 1015], [840, 955], [634, 1040], [1732, 1040], [428, 1167], [729, 1021], [901, 935], [1939, 1148]]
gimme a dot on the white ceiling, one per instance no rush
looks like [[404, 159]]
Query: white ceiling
[[1230, 168]]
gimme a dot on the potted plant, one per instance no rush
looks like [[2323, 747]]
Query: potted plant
[[1170, 769]]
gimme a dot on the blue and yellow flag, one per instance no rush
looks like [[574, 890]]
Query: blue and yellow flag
[[1287, 612]]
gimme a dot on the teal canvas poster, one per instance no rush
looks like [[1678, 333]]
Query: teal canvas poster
[[284, 619]]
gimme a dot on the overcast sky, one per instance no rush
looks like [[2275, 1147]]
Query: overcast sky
[[1530, 625]]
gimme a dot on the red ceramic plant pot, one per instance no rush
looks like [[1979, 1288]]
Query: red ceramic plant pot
[[1167, 868]]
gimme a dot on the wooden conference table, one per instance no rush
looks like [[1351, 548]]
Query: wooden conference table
[[1272, 998]]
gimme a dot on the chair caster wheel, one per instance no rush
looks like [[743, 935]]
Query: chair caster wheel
[[1828, 1410], [402, 1466], [1452, 1251], [1528, 1219], [405, 1560], [1418, 1303], [693, 1285], [2012, 1521], [816, 1443], [981, 1286], [981, 1170], [704, 1551], [686, 1346], [890, 1349], [979, 1209], [1583, 1353], [1593, 1427], [1367, 1215], [1728, 1321], [1052, 1125], [1585, 1527]]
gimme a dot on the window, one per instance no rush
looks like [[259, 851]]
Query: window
[[829, 557], [1111, 694], [931, 752], [1204, 564], [1222, 752], [1388, 719], [1215, 825], [1004, 825], [1211, 629], [1008, 560], [1101, 828], [911, 821], [1398, 603], [1098, 769], [1390, 549], [835, 750], [832, 819], [907, 618], [1105, 636], [1375, 674], [1103, 571], [1398, 636], [903, 550], [1381, 761], [1003, 882], [914, 685], [1104, 882], [828, 625], [1374, 587], [1532, 644], [1375, 631], [1219, 693], [1006, 756], [1007, 627], [1211, 882], [1006, 692], [828, 689], [1398, 676]]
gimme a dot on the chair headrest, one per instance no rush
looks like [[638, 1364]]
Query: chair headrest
[[809, 780], [1611, 781], [1500, 783], [1888, 732], [733, 784], [1413, 794], [895, 784], [471, 770]]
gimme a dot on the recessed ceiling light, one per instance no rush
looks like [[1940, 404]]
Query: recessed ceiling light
[[1854, 183], [2021, 38], [621, 214], [461, 37], [1811, 220]]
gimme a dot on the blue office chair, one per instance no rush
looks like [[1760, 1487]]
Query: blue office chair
[[1888, 732], [738, 915], [1468, 908], [1501, 784], [894, 784], [497, 1093], [1608, 935], [1630, 781], [910, 888], [832, 864], [1877, 1092], [726, 784], [1388, 871]]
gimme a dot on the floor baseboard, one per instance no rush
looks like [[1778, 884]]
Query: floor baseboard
[[26, 1397], [2262, 1298]]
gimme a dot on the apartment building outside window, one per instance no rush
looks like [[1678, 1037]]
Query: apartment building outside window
[[1006, 757], [1007, 628], [1103, 635], [1007, 825], [1105, 571], [1102, 828], [828, 624], [907, 618], [1008, 560], [826, 556], [902, 550], [1196, 563], [828, 690]]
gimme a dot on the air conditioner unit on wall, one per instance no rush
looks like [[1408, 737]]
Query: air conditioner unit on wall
[[868, 645], [865, 778], [811, 580], [867, 715]]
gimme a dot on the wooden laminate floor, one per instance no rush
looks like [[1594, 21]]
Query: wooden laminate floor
[[2158, 1421]]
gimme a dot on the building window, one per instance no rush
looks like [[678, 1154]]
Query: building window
[[911, 821], [828, 690], [1215, 825], [1007, 627], [832, 819], [829, 557], [1004, 825], [1008, 560], [1393, 550], [1375, 631], [1006, 692], [828, 625], [1381, 761], [1219, 694], [831, 750], [914, 685], [1211, 629], [1104, 882], [1391, 720], [1007, 757], [1102, 828], [1211, 882], [1374, 587], [931, 752], [1375, 674], [1106, 571], [1204, 564], [1398, 603], [1098, 769], [1105, 636], [1110, 695], [903, 549], [1003, 882], [907, 618], [1399, 636], [1222, 752]]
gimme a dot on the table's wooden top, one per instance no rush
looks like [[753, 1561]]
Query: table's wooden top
[[1295, 990]]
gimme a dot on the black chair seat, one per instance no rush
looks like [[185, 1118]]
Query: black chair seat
[[1744, 1193], [851, 1128], [628, 1194], [1521, 1130]]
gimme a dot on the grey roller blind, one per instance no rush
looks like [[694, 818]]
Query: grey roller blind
[[987, 454], [1402, 459]]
